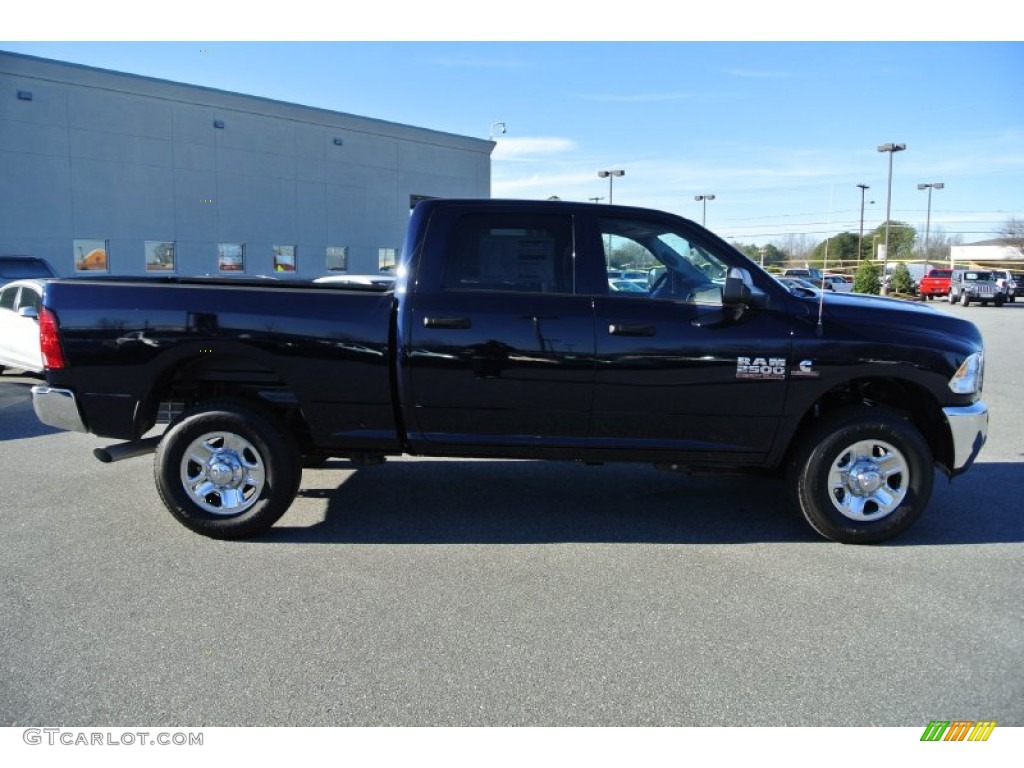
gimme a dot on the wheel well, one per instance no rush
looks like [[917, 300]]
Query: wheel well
[[223, 377], [914, 402]]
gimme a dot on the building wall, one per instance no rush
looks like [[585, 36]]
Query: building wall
[[94, 155], [965, 254]]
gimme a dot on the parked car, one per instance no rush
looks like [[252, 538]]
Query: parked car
[[1006, 283], [798, 286], [370, 282], [24, 268], [935, 284], [808, 273], [20, 301], [837, 283], [967, 285]]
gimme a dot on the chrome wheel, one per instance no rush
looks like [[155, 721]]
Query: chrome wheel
[[222, 473], [868, 480]]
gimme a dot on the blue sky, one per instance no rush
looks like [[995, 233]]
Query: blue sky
[[780, 133]]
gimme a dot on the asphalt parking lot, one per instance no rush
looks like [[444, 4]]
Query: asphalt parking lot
[[465, 593]]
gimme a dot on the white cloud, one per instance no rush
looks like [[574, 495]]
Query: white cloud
[[526, 148]]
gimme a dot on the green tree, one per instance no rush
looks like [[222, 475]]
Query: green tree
[[901, 240], [841, 248], [902, 282], [867, 280]]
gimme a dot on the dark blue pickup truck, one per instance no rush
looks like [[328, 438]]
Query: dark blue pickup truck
[[504, 337]]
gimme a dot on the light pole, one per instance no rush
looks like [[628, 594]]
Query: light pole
[[502, 129], [703, 199], [860, 240], [892, 149], [928, 220], [610, 175]]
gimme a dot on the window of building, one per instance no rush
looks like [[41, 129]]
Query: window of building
[[337, 258], [91, 256], [159, 256], [284, 258], [387, 258], [231, 257]]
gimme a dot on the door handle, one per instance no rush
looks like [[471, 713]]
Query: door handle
[[450, 323], [630, 329]]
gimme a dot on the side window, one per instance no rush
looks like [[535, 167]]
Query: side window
[[524, 253], [645, 260], [7, 297], [29, 298]]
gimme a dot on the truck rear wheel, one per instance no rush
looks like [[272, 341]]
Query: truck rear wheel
[[227, 471], [965, 299], [862, 475]]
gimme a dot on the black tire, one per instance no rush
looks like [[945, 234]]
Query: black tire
[[862, 475], [227, 471], [999, 301], [965, 299]]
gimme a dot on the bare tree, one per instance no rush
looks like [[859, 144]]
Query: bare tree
[[1013, 232], [796, 247]]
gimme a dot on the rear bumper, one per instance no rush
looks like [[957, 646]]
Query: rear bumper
[[57, 408], [968, 427]]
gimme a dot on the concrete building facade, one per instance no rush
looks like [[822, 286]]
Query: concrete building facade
[[103, 171]]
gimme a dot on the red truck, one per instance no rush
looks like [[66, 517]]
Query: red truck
[[935, 283]]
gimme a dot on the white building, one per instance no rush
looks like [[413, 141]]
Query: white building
[[107, 171], [985, 250]]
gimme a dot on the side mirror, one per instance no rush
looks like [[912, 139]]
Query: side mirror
[[738, 289], [28, 312]]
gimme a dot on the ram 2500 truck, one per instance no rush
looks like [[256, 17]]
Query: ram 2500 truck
[[501, 337]]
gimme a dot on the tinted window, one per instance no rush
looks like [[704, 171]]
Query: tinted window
[[19, 269], [510, 252], [7, 297]]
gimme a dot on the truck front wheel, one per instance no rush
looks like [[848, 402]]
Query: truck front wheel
[[227, 471], [862, 475]]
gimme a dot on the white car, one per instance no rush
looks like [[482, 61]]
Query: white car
[[20, 301], [838, 283]]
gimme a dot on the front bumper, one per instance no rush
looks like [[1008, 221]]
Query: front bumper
[[968, 426], [57, 408]]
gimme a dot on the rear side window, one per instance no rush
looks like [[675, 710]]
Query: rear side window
[[7, 297], [20, 269], [524, 253]]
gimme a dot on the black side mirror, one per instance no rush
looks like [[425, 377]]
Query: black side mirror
[[737, 290]]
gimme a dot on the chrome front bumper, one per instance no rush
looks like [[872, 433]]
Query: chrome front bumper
[[968, 427], [57, 408]]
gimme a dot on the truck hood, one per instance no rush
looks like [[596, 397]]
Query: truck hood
[[899, 318]]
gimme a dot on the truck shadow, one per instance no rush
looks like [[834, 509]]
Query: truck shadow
[[509, 502], [17, 419]]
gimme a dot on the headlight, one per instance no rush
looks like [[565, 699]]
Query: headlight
[[969, 376]]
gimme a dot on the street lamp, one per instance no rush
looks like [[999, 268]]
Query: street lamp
[[502, 129], [928, 220], [860, 240], [704, 200], [610, 175], [892, 149]]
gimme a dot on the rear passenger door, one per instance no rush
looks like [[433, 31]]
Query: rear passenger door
[[499, 347]]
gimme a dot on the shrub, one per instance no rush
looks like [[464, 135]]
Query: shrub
[[866, 280]]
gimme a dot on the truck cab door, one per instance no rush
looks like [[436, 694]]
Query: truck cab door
[[497, 347], [678, 373]]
